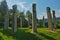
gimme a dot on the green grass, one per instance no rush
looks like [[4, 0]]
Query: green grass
[[25, 34]]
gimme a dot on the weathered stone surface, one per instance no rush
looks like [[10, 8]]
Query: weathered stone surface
[[14, 18], [49, 18], [21, 22], [54, 19], [5, 13], [34, 26], [6, 23], [43, 21], [22, 19]]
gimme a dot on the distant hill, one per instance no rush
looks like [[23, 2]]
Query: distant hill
[[58, 18]]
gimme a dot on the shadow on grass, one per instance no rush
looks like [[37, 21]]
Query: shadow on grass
[[21, 35], [1, 38], [46, 36]]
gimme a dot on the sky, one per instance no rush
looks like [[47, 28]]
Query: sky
[[24, 5]]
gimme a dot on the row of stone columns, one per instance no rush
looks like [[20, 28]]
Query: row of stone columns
[[14, 21], [34, 19], [51, 21]]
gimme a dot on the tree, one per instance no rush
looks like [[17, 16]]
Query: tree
[[40, 22], [29, 18], [4, 10]]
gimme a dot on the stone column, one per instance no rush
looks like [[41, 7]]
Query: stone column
[[21, 22], [43, 21], [34, 26], [21, 19], [54, 19], [49, 18], [28, 22], [5, 14], [6, 23], [14, 18]]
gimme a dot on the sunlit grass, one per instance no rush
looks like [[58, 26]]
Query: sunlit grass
[[25, 34]]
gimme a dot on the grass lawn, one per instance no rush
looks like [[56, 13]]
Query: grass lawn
[[25, 34]]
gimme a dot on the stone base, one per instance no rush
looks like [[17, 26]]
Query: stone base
[[53, 31], [34, 32]]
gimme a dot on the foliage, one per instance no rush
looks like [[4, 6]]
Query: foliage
[[58, 24], [40, 22], [29, 17], [22, 16]]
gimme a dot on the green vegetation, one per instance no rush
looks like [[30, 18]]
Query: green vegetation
[[27, 19], [25, 34]]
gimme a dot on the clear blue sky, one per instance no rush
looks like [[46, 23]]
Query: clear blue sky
[[40, 6]]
